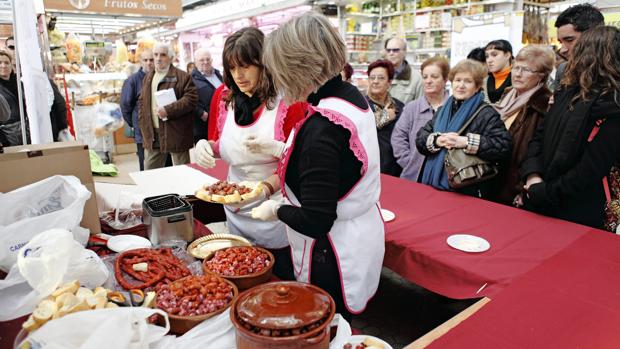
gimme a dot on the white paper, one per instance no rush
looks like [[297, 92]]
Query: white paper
[[182, 180], [164, 98]]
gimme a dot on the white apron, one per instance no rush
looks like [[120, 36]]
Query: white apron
[[246, 166], [357, 235]]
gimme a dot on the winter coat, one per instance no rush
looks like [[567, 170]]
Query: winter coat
[[58, 113], [130, 94], [175, 134], [205, 93], [415, 115], [572, 169], [522, 129], [407, 85], [384, 136], [495, 144]]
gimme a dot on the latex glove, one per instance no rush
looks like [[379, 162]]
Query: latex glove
[[204, 154], [267, 211], [260, 145]]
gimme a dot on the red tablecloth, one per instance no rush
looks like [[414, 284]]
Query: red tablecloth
[[572, 300], [416, 248]]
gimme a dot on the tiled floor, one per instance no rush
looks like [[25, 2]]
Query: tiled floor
[[399, 313]]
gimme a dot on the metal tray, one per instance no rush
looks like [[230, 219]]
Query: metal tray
[[205, 246]]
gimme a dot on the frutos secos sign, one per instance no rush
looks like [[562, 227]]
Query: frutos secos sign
[[154, 8]]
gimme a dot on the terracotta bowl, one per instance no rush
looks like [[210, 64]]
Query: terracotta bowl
[[181, 324], [244, 282]]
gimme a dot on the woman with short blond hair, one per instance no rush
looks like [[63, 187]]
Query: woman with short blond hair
[[330, 168], [486, 136]]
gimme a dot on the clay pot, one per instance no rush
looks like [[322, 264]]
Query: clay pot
[[283, 314]]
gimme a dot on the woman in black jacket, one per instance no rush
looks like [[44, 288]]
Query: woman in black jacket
[[10, 130], [563, 169], [486, 137]]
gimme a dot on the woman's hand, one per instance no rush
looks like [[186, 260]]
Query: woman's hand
[[267, 211], [518, 201], [452, 140], [531, 180], [204, 154], [260, 145]]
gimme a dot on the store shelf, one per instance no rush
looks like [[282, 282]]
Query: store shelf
[[362, 34], [458, 6], [93, 76], [365, 15], [430, 50], [424, 30]]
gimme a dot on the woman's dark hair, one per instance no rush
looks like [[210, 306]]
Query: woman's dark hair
[[595, 63], [382, 63], [243, 48], [477, 54], [582, 17], [348, 71], [500, 45]]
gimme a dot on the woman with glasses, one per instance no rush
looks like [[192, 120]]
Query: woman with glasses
[[387, 110], [575, 147], [498, 55], [486, 136], [522, 109]]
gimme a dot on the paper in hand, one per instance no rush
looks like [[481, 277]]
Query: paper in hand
[[164, 98]]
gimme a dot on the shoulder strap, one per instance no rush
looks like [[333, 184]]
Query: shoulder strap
[[471, 119], [593, 133]]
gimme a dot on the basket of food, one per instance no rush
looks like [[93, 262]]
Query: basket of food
[[245, 266], [193, 299]]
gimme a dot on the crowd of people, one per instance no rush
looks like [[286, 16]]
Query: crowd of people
[[318, 145]]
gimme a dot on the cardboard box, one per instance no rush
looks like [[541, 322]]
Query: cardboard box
[[27, 164]]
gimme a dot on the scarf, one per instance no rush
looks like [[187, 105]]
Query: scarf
[[510, 103], [434, 171], [244, 108], [382, 116]]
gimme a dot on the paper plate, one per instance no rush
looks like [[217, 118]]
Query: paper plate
[[387, 215], [468, 243], [203, 247], [357, 339], [122, 243]]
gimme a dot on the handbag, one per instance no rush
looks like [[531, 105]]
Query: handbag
[[611, 186], [465, 169]]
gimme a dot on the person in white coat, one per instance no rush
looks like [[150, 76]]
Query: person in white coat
[[251, 116], [329, 171]]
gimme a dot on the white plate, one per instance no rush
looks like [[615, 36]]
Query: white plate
[[468, 243], [359, 338], [387, 215], [122, 243]]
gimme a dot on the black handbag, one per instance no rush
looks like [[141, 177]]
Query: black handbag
[[465, 169]]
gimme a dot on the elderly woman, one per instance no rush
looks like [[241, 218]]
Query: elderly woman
[[575, 147], [330, 169], [486, 136], [522, 108], [253, 123], [417, 113], [387, 110], [10, 129], [498, 54]]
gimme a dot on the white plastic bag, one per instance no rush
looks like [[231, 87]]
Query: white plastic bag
[[216, 333], [113, 328], [49, 260], [343, 333], [55, 202]]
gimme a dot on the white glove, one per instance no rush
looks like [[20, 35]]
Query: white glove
[[204, 154], [267, 211], [261, 145]]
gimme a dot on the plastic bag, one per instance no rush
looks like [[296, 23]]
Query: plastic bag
[[104, 328], [108, 118], [216, 332], [127, 213], [50, 259], [55, 202], [343, 333]]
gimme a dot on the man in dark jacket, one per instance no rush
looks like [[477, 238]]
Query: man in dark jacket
[[207, 80], [130, 95], [167, 128]]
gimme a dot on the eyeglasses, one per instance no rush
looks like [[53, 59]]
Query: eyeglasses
[[392, 50], [148, 60], [524, 70], [377, 78], [11, 47]]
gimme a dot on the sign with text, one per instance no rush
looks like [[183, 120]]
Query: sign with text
[[151, 8]]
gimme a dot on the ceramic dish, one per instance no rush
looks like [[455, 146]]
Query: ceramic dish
[[205, 246], [122, 243], [468, 243]]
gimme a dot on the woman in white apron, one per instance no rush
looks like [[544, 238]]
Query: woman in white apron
[[250, 111], [329, 171]]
